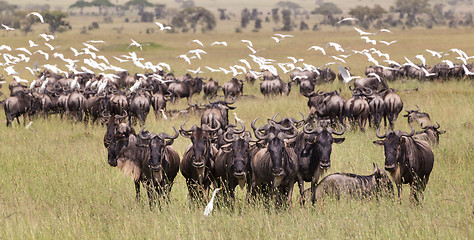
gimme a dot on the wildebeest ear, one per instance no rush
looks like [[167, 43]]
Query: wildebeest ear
[[169, 142], [339, 140], [378, 142]]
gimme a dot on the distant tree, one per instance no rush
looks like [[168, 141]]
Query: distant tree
[[146, 16], [6, 7], [191, 18], [160, 11], [258, 23], [294, 7], [244, 18], [327, 9], [286, 15], [410, 9], [81, 4], [303, 26], [101, 4], [25, 23], [367, 15], [222, 15], [275, 15], [56, 21], [139, 4]]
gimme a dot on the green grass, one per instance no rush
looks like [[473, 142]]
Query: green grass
[[56, 183]]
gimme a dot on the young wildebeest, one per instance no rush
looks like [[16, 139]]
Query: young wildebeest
[[348, 184], [408, 160]]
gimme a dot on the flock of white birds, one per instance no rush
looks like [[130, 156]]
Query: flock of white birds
[[89, 59]]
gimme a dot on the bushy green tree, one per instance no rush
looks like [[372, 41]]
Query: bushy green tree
[[194, 17], [101, 4], [81, 4], [56, 21]]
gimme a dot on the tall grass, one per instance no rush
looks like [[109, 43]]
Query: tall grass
[[56, 183]]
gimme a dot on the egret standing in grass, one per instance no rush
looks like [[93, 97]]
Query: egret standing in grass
[[210, 205]]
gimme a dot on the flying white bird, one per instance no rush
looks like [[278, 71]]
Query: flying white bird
[[277, 40], [434, 53], [32, 44], [210, 205], [362, 32], [30, 70], [374, 75], [197, 52], [346, 76], [186, 58], [251, 49], [347, 19], [335, 46], [37, 14], [50, 46], [295, 60], [219, 43], [198, 70], [24, 50], [8, 28], [388, 43], [464, 61], [10, 70], [392, 62], [338, 59], [135, 43], [5, 47], [91, 47], [96, 41], [385, 30], [411, 63], [196, 41], [316, 48], [47, 37], [245, 62], [76, 53], [368, 40], [18, 79], [466, 71], [163, 27], [248, 42], [422, 59], [213, 69], [427, 74], [449, 63], [121, 60], [283, 35]]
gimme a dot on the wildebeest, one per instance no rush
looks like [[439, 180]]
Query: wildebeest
[[233, 88], [348, 184], [313, 148], [133, 155], [393, 105], [15, 106], [274, 167], [408, 160], [139, 106], [370, 82], [217, 111], [430, 134], [327, 105], [232, 164], [274, 87], [376, 109], [197, 162], [422, 118], [356, 109], [210, 88], [158, 102], [118, 103], [185, 88]]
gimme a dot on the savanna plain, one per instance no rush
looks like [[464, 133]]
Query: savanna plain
[[55, 181]]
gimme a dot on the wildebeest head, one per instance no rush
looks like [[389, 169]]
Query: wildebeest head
[[416, 115], [319, 143], [201, 139], [275, 136], [392, 145], [382, 179], [157, 146], [238, 146]]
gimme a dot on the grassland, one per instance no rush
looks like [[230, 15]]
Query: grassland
[[55, 181]]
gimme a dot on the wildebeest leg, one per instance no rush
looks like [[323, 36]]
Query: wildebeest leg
[[151, 193], [137, 191], [313, 191], [289, 194], [301, 187]]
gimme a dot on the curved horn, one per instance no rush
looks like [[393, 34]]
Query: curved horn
[[240, 131], [233, 100], [381, 136], [288, 136], [164, 136], [274, 116], [315, 130], [411, 133], [184, 130], [331, 130], [142, 134], [418, 108], [437, 126], [253, 124], [206, 127], [230, 131]]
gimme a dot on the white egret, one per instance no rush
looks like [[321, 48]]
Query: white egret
[[466, 71], [196, 41], [210, 205], [248, 42], [368, 40], [318, 48], [283, 35], [219, 43], [346, 76], [37, 14], [8, 28], [388, 43], [347, 19]]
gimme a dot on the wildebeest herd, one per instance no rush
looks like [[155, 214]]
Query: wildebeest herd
[[268, 164]]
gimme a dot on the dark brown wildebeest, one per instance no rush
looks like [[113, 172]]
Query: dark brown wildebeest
[[430, 134], [313, 148], [249, 77], [415, 116], [198, 160], [274, 167], [376, 109], [327, 105], [352, 185], [217, 111], [15, 106], [185, 88], [408, 160], [210, 89], [158, 102], [232, 164], [393, 105], [370, 82], [356, 109], [132, 154], [139, 106], [233, 88]]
